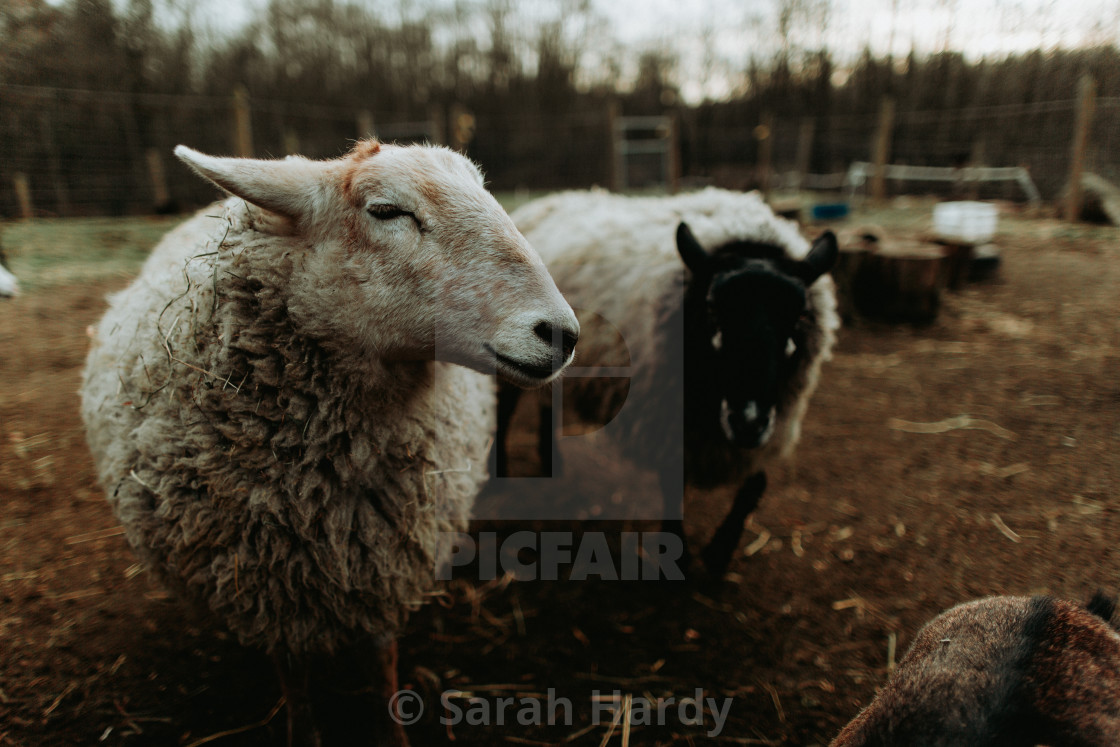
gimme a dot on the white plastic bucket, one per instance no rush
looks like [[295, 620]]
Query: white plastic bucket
[[966, 222]]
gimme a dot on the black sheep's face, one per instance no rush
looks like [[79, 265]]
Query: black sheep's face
[[747, 331], [752, 315]]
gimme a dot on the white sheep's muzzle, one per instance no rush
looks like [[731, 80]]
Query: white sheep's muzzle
[[533, 348]]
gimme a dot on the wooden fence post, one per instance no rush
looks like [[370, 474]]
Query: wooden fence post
[[365, 124], [137, 158], [291, 142], [161, 197], [243, 123], [616, 161], [437, 120], [462, 128], [674, 156], [54, 165], [764, 133], [881, 149], [23, 195], [976, 159], [804, 150], [1086, 104]]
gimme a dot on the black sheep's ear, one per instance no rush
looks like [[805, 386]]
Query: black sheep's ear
[[822, 256], [694, 256], [1102, 605]]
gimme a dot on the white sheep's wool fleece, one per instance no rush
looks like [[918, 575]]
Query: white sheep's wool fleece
[[617, 256], [296, 493]]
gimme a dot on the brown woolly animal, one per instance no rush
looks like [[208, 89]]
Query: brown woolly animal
[[1008, 671]]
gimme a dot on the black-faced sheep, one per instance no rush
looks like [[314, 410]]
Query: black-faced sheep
[[280, 406], [1009, 671], [725, 348]]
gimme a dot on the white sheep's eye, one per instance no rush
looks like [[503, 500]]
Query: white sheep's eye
[[388, 212], [791, 348]]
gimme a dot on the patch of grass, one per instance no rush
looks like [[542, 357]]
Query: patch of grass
[[512, 200], [49, 252]]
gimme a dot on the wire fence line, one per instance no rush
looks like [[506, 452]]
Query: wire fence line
[[77, 152]]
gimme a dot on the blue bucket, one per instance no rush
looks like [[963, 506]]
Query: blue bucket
[[829, 211]]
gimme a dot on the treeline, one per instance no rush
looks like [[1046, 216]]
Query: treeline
[[950, 111], [88, 87]]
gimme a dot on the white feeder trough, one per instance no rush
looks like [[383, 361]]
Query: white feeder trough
[[965, 222]]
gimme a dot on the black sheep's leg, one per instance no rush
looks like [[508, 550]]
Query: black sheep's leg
[[672, 523], [295, 678], [508, 397], [717, 555]]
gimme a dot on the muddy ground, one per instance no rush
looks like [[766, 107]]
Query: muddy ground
[[974, 456]]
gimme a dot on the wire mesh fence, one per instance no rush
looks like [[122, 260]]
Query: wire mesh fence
[[78, 152]]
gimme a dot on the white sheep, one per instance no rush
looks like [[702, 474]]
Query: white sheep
[[1010, 671], [723, 356], [9, 286], [274, 405]]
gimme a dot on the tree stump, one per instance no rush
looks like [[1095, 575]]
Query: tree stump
[[900, 282], [1101, 201], [958, 262], [844, 274], [790, 209], [986, 262]]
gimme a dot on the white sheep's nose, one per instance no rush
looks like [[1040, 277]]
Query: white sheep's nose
[[561, 338]]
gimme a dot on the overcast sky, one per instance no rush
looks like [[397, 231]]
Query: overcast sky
[[979, 26], [734, 29], [714, 37]]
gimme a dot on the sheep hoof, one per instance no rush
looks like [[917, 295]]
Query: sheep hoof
[[716, 558], [392, 736], [302, 731]]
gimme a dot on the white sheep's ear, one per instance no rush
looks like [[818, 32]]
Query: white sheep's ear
[[822, 256], [285, 187], [694, 256]]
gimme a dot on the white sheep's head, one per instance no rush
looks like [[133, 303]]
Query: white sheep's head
[[409, 257]]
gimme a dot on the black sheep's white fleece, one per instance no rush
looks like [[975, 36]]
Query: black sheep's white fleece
[[617, 256]]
